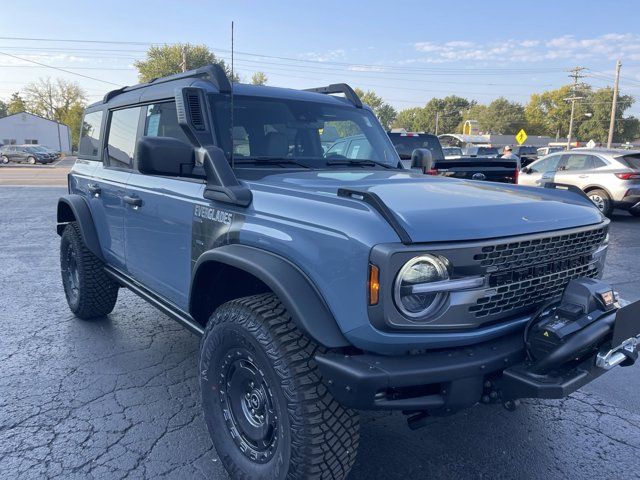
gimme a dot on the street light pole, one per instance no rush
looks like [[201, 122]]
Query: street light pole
[[614, 104], [437, 118]]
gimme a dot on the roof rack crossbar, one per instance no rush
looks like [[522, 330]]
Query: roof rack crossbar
[[214, 73], [348, 92]]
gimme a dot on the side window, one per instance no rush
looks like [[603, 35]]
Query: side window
[[336, 149], [162, 121], [578, 162], [597, 162], [547, 165], [121, 138], [359, 149], [89, 145]]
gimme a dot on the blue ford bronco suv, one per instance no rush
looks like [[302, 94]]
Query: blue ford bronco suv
[[322, 283]]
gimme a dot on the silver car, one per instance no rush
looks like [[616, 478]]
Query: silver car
[[610, 177]]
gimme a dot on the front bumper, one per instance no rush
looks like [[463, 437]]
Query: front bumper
[[444, 381]]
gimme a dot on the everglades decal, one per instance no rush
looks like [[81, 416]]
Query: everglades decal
[[213, 214], [213, 227]]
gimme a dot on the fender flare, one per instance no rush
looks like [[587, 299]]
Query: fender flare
[[291, 285], [74, 208]]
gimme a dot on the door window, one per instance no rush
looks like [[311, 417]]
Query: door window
[[123, 129], [547, 165], [162, 121], [89, 145], [577, 161]]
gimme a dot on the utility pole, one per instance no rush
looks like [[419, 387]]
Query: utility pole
[[576, 74], [437, 119], [183, 64], [614, 104]]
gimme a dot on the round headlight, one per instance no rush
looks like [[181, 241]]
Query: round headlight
[[422, 269]]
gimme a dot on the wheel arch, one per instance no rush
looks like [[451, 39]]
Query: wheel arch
[[590, 188], [240, 270], [74, 208]]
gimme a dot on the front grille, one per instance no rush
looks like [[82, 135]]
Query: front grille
[[529, 293], [526, 273], [506, 256]]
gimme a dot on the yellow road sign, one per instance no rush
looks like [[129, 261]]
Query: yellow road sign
[[521, 137]]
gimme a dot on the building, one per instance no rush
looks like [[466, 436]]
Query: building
[[493, 140], [25, 128]]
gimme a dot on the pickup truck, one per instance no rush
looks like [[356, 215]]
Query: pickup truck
[[465, 167]]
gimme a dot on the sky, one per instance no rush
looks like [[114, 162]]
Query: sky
[[408, 52]]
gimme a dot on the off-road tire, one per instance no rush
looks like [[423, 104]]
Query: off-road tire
[[317, 437], [95, 294], [606, 207], [31, 161]]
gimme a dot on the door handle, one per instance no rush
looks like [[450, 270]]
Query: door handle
[[135, 202], [94, 189]]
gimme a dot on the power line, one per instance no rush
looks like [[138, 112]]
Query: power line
[[59, 69]]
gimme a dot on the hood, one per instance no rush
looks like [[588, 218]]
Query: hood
[[434, 209]]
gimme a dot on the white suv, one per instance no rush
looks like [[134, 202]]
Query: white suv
[[610, 177]]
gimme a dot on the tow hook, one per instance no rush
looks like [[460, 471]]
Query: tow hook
[[624, 355]]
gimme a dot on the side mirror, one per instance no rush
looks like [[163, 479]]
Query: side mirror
[[526, 170], [422, 159], [164, 156]]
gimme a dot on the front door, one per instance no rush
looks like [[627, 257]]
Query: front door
[[540, 172], [159, 222]]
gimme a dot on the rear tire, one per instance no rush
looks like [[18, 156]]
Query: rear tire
[[90, 292], [602, 200], [4, 160], [31, 161], [268, 412]]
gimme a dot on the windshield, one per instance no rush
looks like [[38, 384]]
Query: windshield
[[528, 151], [487, 151], [280, 131], [406, 144], [452, 151]]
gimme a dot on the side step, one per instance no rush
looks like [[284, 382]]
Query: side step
[[165, 307]]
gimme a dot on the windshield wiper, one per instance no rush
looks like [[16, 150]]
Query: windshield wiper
[[270, 161], [364, 163]]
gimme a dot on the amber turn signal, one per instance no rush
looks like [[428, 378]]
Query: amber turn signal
[[374, 285]]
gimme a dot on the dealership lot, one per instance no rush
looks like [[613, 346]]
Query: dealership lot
[[119, 397]]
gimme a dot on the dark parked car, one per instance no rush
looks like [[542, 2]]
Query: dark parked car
[[327, 283], [526, 153], [24, 154], [406, 142], [487, 152], [47, 151]]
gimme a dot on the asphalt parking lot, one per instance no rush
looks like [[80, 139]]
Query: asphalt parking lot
[[118, 397]]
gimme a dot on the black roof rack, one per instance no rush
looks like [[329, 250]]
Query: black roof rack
[[349, 93], [214, 73]]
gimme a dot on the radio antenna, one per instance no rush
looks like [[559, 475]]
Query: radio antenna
[[231, 114]]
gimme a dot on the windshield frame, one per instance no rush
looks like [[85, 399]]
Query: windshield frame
[[380, 142]]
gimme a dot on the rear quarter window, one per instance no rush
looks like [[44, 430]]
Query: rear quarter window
[[89, 146], [632, 161]]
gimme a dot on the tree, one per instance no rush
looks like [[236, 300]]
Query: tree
[[448, 111], [60, 100], [409, 119], [168, 59], [16, 104], [385, 112], [595, 123], [502, 117], [548, 113], [259, 78], [3, 109]]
